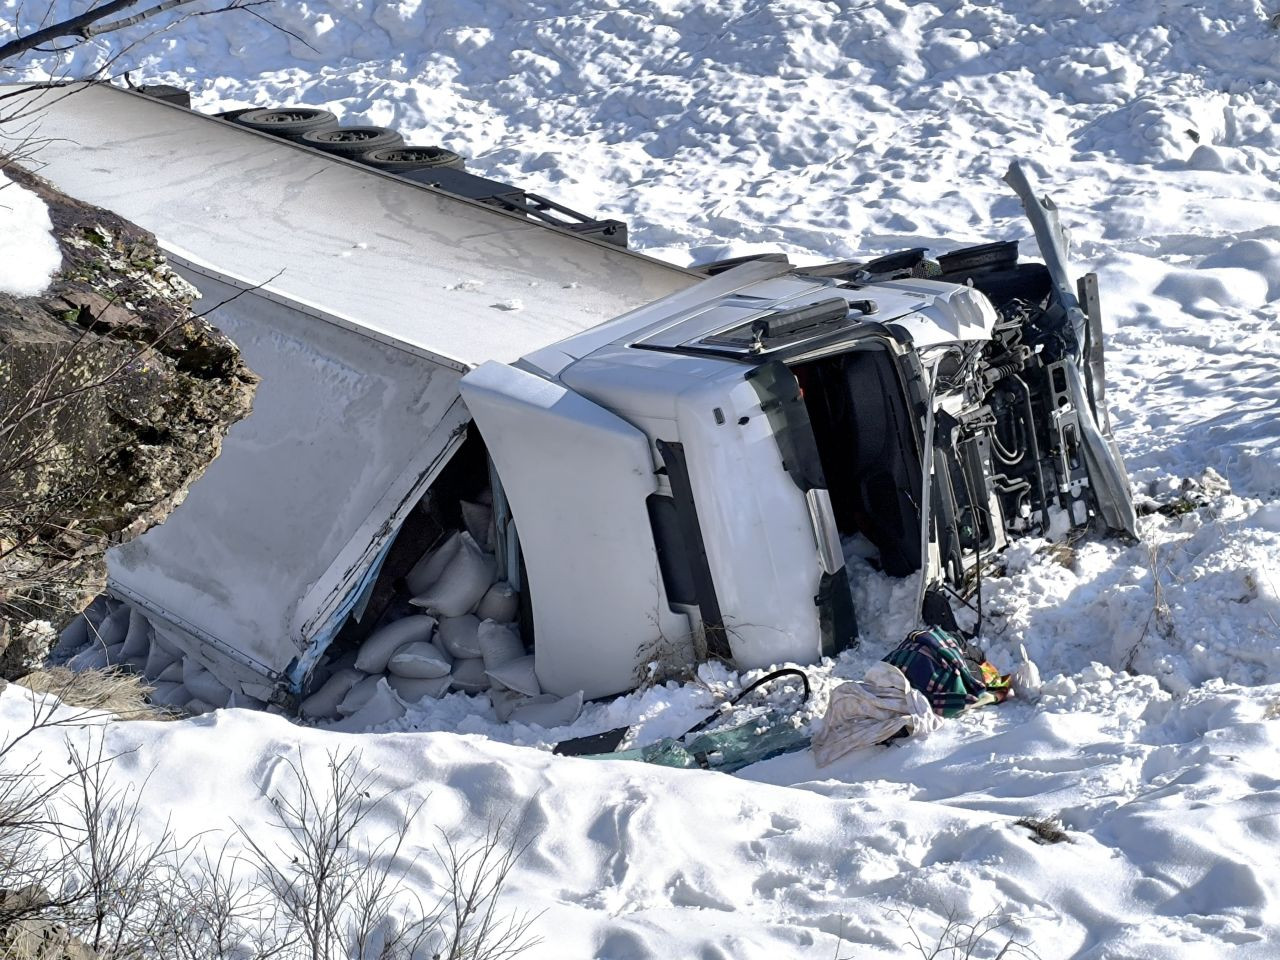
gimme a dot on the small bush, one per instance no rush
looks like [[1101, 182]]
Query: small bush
[[106, 691]]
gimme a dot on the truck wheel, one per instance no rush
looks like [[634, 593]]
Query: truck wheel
[[409, 157], [352, 142], [289, 122]]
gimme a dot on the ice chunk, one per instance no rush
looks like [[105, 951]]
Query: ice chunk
[[463, 583], [460, 636], [376, 652], [424, 661]]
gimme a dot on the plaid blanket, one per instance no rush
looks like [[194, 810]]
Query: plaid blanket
[[951, 677]]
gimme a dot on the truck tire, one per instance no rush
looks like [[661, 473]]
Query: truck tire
[[410, 157], [288, 122], [352, 142]]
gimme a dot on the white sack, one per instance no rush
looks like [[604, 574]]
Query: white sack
[[432, 564], [460, 636], [203, 684], [375, 653], [323, 704], [239, 700], [159, 658], [137, 640], [93, 657], [113, 629], [162, 638], [548, 711], [358, 696], [98, 611], [383, 707], [1026, 679], [170, 674], [517, 675], [463, 583], [478, 519], [75, 636], [504, 701], [500, 603], [422, 661], [870, 711], [169, 695], [499, 644], [413, 689], [469, 676]]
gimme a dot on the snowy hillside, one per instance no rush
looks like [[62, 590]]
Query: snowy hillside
[[829, 130]]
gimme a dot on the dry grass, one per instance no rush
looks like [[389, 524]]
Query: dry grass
[[110, 691]]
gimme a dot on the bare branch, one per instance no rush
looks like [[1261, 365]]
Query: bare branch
[[95, 29], [71, 27]]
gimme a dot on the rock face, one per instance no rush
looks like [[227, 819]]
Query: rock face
[[114, 397]]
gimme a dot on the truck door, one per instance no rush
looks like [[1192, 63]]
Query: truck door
[[577, 478]]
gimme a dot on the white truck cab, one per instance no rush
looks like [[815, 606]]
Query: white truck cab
[[755, 423]]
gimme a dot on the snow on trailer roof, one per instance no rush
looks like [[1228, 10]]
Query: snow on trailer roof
[[452, 278]]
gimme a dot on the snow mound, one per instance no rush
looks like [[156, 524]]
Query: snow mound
[[29, 255]]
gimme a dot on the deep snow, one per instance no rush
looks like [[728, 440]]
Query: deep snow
[[828, 130]]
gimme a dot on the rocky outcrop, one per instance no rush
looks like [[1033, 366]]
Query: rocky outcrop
[[114, 397]]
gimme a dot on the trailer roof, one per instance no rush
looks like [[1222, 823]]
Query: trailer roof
[[448, 277]]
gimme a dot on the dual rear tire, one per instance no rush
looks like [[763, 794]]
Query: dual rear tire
[[376, 146]]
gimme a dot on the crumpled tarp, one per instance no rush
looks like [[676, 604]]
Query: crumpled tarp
[[870, 711]]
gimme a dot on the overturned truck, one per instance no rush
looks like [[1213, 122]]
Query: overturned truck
[[649, 461]]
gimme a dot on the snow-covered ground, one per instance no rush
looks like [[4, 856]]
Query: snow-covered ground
[[828, 130]]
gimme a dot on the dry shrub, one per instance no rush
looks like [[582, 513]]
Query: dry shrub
[[109, 691], [1045, 830]]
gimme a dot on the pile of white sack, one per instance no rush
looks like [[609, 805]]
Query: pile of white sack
[[111, 633], [464, 640]]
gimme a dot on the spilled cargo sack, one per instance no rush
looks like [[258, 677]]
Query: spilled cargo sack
[[880, 707], [953, 675]]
